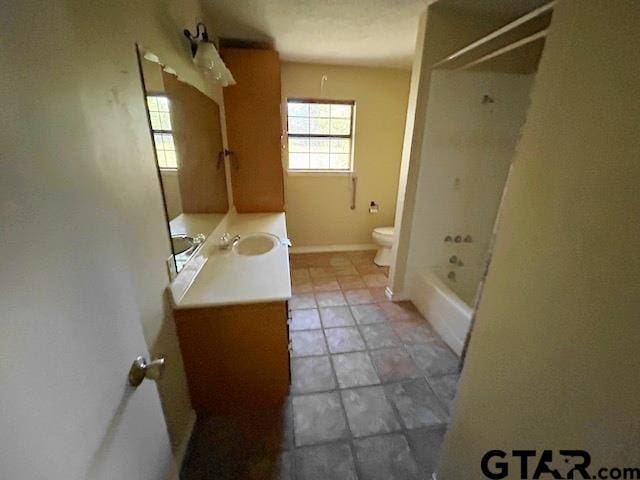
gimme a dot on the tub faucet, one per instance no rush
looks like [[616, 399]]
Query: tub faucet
[[227, 241]]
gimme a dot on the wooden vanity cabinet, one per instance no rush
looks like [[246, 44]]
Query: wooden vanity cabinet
[[254, 129], [236, 357]]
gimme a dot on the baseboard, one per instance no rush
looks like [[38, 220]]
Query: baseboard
[[388, 293], [333, 248], [395, 296], [181, 450]]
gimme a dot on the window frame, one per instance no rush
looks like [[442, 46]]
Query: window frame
[[350, 136], [161, 131]]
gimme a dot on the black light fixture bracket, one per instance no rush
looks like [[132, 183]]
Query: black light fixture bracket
[[200, 36]]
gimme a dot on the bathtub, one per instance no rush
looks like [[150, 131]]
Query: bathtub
[[447, 304]]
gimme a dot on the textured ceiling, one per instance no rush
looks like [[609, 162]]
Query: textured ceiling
[[353, 32]]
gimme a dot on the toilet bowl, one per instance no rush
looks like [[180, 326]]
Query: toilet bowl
[[383, 236]]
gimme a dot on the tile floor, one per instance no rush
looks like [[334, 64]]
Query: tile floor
[[372, 385]]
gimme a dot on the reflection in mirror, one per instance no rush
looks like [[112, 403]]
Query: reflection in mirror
[[187, 137]]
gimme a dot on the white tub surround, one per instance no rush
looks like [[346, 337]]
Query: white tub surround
[[215, 277], [469, 138]]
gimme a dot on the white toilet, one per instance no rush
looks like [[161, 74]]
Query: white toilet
[[383, 236]]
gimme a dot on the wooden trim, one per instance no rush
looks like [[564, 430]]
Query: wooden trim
[[181, 449], [320, 100], [293, 172], [501, 51], [311, 171], [527, 24], [305, 135]]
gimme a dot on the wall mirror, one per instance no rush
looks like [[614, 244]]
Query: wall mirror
[[186, 133]]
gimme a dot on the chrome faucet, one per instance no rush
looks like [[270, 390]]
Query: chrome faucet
[[199, 238], [227, 241]]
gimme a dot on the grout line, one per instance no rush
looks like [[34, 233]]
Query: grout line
[[443, 402], [338, 390], [344, 413], [351, 438], [422, 373], [354, 456], [294, 460]]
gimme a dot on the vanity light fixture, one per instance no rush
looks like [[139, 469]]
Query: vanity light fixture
[[206, 56]]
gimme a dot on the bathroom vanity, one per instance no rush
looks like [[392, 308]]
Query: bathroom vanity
[[231, 316], [229, 297]]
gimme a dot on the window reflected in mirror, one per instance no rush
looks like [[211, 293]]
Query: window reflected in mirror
[[160, 117]]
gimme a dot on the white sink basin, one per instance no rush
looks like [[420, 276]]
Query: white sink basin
[[181, 243], [256, 244]]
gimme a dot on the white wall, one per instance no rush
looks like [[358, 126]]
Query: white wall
[[83, 236], [467, 150], [553, 360]]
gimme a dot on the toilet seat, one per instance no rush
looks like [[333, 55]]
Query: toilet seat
[[384, 230], [383, 235]]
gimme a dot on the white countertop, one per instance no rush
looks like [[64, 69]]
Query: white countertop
[[215, 277], [194, 223]]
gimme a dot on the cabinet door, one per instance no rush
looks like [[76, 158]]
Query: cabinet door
[[236, 358], [254, 129]]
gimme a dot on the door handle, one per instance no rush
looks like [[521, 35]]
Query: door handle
[[141, 369]]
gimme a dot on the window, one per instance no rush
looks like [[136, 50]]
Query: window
[[160, 116], [320, 134]]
